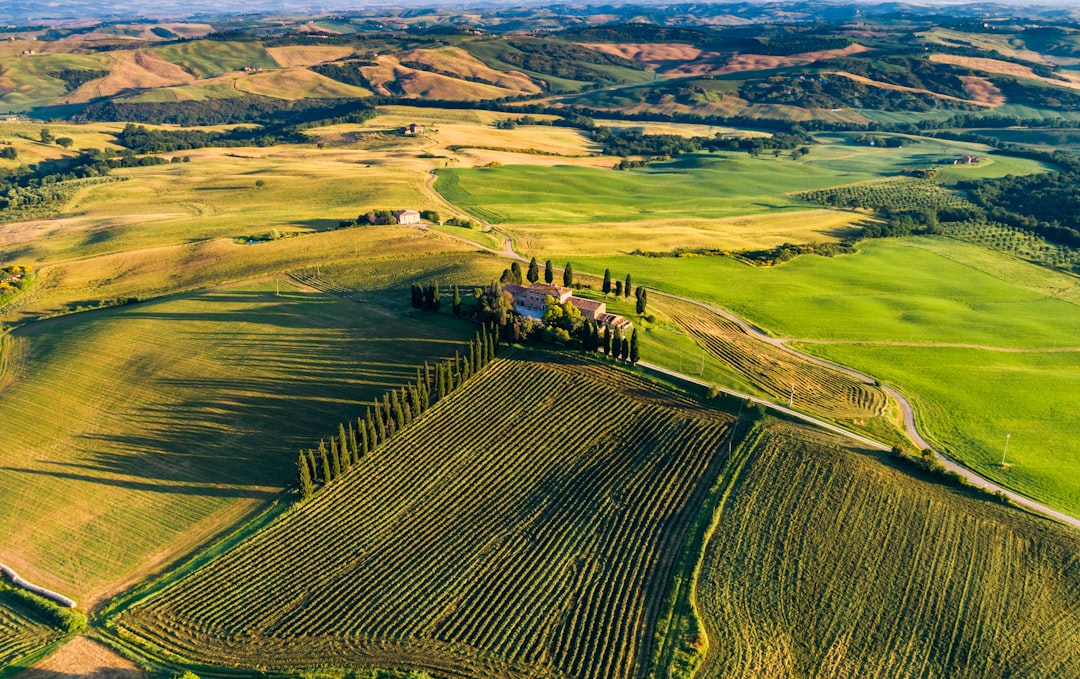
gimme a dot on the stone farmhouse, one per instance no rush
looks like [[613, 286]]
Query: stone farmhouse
[[529, 301], [412, 129], [407, 216]]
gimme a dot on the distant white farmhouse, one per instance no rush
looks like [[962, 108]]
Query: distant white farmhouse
[[407, 216]]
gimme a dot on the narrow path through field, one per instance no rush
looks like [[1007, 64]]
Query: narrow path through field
[[910, 425]]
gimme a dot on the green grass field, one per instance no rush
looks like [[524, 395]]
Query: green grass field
[[967, 400], [25, 82], [491, 538], [209, 58], [705, 185], [133, 434], [928, 293], [872, 572]]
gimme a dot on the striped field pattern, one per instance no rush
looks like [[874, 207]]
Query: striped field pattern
[[873, 573], [19, 633], [524, 527]]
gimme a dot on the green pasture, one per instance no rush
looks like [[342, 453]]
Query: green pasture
[[209, 58], [968, 400], [920, 295], [25, 82], [694, 185], [926, 290], [133, 434], [838, 151]]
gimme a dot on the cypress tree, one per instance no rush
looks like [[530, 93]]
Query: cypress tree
[[568, 276], [440, 386], [618, 288], [364, 445], [399, 415], [415, 402], [373, 439], [627, 287], [435, 297], [343, 441], [327, 474], [354, 448], [457, 363], [515, 271], [549, 273], [380, 421], [335, 458], [607, 340], [607, 281], [624, 349], [312, 466], [457, 300], [417, 296], [634, 353], [534, 271], [303, 482]]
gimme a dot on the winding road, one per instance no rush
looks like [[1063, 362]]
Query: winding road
[[910, 425]]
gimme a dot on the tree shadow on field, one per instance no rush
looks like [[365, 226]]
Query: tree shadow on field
[[233, 429]]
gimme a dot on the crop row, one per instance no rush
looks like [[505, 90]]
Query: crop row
[[1019, 243], [524, 526], [19, 634], [873, 573], [817, 388], [900, 194]]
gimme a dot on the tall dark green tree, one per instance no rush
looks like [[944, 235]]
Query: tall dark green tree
[[335, 458], [365, 446], [324, 459], [627, 287], [534, 271], [343, 441], [354, 445], [549, 272], [417, 296], [607, 340], [304, 483], [642, 300], [618, 288], [634, 353], [607, 282], [568, 276], [312, 465], [457, 300], [515, 270], [373, 438], [624, 349]]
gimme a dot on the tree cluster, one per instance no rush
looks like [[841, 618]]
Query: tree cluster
[[332, 458]]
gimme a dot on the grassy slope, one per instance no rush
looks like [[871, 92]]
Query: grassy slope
[[209, 58], [925, 292], [705, 185], [550, 544], [166, 421], [874, 573], [25, 83]]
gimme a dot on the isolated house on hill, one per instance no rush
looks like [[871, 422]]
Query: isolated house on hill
[[407, 216], [529, 301], [413, 129]]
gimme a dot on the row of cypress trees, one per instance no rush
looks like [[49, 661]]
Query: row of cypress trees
[[317, 467]]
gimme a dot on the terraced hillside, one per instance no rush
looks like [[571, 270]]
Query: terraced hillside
[[873, 573], [525, 527]]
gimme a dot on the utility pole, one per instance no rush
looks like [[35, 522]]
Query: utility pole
[[1007, 437]]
